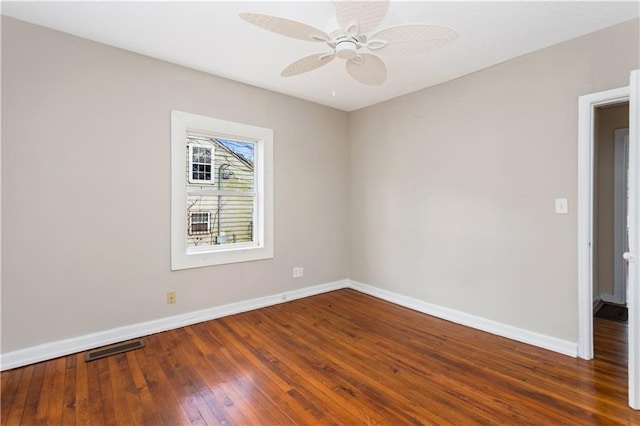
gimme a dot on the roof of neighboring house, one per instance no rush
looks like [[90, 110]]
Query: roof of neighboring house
[[223, 144]]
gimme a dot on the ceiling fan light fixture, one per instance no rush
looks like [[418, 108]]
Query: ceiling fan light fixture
[[346, 49], [356, 18]]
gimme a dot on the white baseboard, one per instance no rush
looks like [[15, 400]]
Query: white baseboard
[[52, 350], [610, 298], [536, 339], [597, 302]]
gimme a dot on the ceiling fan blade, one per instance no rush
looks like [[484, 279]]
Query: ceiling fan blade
[[412, 38], [367, 69], [307, 63], [286, 27], [367, 14]]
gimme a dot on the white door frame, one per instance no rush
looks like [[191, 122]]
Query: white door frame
[[586, 114], [621, 161]]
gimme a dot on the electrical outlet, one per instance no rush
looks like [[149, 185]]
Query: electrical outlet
[[298, 272], [171, 297]]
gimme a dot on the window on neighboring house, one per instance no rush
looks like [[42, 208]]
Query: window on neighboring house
[[222, 195], [201, 163], [199, 223]]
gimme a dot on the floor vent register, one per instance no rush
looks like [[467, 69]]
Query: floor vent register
[[113, 349]]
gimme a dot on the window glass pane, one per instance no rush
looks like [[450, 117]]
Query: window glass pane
[[234, 219], [233, 166], [231, 219]]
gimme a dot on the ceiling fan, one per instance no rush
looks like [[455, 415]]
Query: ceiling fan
[[356, 19]]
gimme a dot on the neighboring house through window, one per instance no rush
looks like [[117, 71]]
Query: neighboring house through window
[[222, 196]]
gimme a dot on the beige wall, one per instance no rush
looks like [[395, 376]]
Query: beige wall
[[460, 213], [86, 188], [446, 194], [607, 121]]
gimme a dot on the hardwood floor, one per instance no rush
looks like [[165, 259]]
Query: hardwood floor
[[337, 358]]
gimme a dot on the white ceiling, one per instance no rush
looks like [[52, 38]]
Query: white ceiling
[[211, 37]]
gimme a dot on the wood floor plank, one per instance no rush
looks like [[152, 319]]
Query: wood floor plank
[[211, 379], [473, 351], [9, 384], [43, 397], [262, 381], [13, 407], [146, 411], [392, 375], [190, 377], [70, 392], [165, 396], [122, 386], [108, 400], [82, 415], [316, 402], [96, 402], [33, 394], [53, 390], [232, 384], [172, 368], [321, 364], [395, 368], [337, 358]]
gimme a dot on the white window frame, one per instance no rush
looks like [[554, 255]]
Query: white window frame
[[183, 123], [191, 223], [212, 172]]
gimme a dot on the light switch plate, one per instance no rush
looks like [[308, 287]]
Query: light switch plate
[[562, 206]]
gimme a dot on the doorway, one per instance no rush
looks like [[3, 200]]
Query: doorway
[[610, 237], [587, 105]]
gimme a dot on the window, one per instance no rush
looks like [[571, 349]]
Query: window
[[199, 223], [201, 163], [222, 195]]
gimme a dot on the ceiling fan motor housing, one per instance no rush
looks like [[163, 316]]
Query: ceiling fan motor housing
[[346, 47]]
